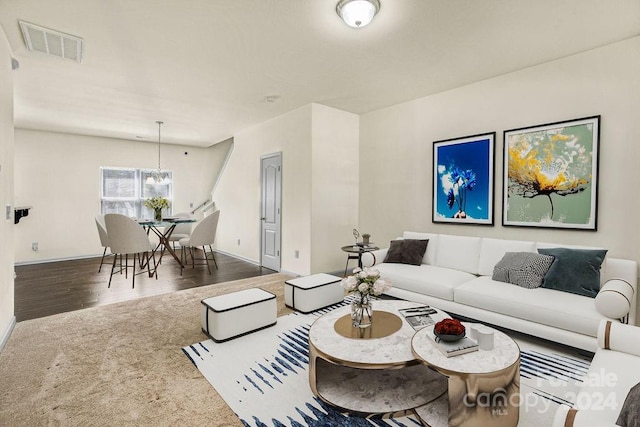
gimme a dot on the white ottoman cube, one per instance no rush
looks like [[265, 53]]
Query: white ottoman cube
[[310, 293], [238, 313]]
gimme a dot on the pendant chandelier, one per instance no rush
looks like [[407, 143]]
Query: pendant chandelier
[[159, 176]]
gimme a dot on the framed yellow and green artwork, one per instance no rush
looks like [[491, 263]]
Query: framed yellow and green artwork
[[551, 175]]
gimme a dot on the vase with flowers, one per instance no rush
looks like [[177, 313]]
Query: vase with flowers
[[157, 204], [364, 284]]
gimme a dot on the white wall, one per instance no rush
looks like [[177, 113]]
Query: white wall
[[59, 175], [396, 145], [319, 148], [238, 192], [7, 318], [334, 186]]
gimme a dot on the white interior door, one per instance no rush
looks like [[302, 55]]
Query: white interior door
[[270, 216]]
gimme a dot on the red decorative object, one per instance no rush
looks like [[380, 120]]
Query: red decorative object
[[449, 327]]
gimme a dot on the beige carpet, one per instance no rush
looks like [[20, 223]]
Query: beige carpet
[[117, 365]]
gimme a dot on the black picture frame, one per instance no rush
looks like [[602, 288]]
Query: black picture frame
[[463, 180], [559, 159]]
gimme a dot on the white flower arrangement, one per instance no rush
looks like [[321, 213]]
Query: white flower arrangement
[[366, 282]]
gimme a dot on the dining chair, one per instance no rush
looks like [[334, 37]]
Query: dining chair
[[127, 237], [204, 234], [181, 230], [104, 239]]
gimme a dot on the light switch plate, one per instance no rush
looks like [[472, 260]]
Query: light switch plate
[[8, 212]]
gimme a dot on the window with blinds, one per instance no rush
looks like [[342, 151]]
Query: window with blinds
[[124, 190]]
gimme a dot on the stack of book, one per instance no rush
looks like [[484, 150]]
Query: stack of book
[[418, 317], [455, 348]]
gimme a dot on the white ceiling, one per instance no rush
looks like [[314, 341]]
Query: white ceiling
[[205, 66]]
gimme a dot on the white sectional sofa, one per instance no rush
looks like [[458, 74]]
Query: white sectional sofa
[[455, 276], [612, 374]]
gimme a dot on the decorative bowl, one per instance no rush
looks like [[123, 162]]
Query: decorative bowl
[[448, 337], [449, 330]]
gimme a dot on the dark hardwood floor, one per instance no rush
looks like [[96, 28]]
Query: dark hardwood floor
[[58, 287]]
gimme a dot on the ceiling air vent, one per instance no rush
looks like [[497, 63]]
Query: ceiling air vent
[[51, 42]]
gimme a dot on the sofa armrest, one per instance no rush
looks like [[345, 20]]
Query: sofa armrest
[[568, 417], [614, 298], [619, 337], [561, 416], [626, 270], [369, 259]]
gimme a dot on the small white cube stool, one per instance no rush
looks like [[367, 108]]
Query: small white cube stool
[[310, 293], [238, 313]]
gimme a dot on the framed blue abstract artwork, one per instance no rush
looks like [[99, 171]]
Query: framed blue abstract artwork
[[551, 175], [463, 180]]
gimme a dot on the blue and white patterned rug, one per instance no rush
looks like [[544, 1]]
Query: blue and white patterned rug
[[264, 378]]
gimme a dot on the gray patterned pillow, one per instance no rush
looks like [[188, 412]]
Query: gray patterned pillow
[[526, 269]]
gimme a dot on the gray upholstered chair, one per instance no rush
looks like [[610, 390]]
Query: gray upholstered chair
[[203, 235], [127, 237], [104, 239]]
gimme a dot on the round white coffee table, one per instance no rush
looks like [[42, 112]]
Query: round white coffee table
[[373, 370], [484, 385]]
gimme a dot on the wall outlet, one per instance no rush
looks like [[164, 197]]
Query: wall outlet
[[34, 246], [297, 254]]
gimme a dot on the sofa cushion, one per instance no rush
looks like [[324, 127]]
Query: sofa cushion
[[526, 269], [430, 254], [546, 306], [458, 252], [574, 270], [492, 251], [424, 279], [406, 251]]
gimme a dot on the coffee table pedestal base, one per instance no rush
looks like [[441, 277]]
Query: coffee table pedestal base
[[390, 392], [478, 400]]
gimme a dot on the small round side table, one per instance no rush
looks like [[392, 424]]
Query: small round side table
[[355, 252]]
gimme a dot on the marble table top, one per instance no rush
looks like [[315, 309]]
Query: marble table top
[[504, 354], [394, 349]]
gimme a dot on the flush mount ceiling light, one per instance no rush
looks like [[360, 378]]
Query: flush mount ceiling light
[[159, 176], [357, 13]]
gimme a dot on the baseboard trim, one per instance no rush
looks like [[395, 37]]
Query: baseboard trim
[[44, 261], [290, 273], [7, 333], [251, 261]]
